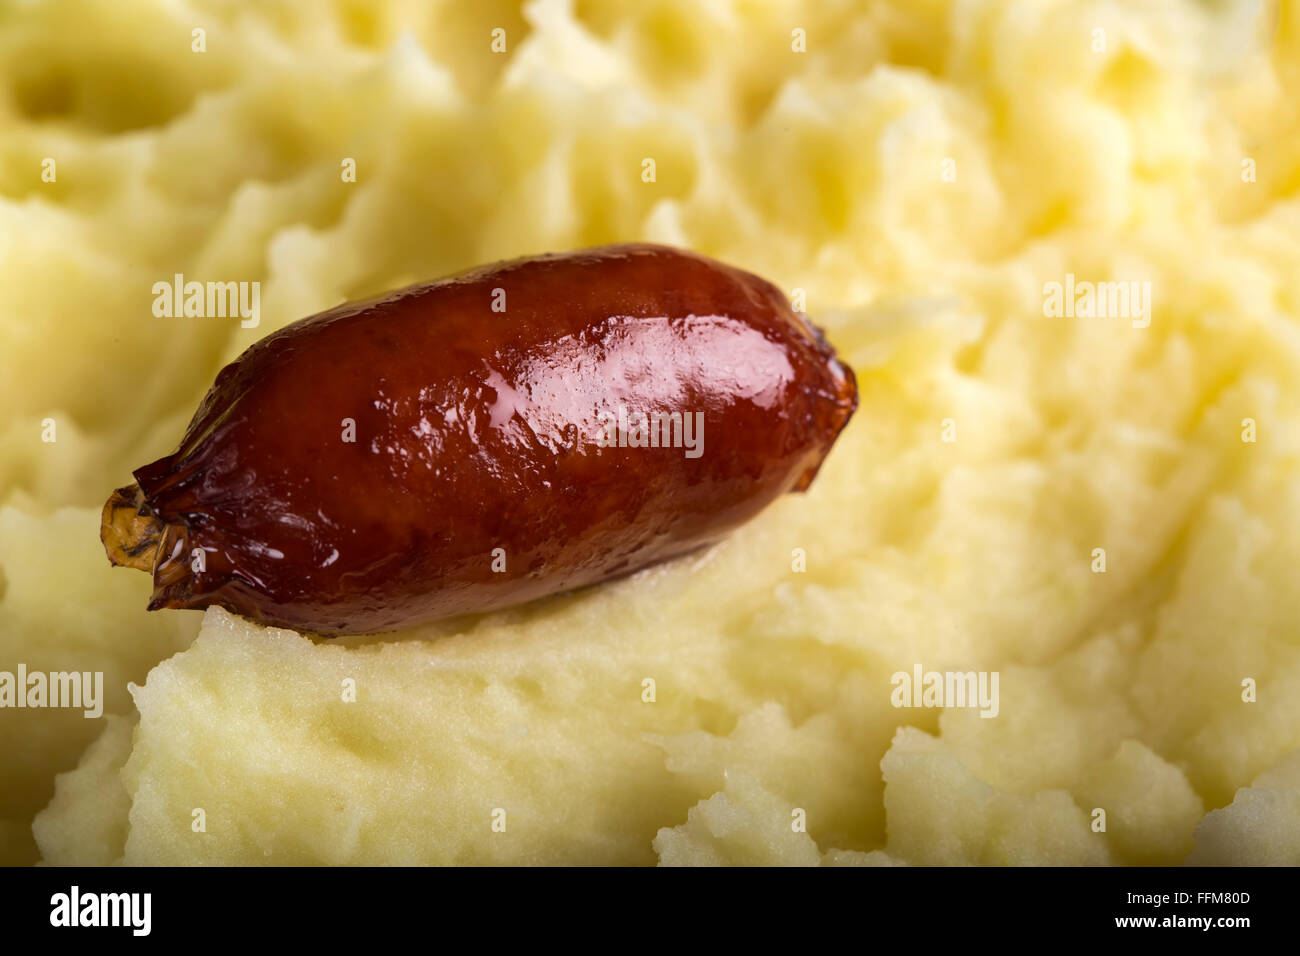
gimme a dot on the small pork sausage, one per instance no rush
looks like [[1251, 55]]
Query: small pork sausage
[[465, 445]]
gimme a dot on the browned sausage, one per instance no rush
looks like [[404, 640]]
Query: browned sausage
[[426, 454]]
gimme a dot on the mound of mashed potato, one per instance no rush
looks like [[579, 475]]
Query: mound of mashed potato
[[1099, 503]]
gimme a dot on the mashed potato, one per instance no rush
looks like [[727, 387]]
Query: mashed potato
[[1102, 508]]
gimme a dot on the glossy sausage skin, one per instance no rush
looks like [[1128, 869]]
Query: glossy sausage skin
[[476, 430]]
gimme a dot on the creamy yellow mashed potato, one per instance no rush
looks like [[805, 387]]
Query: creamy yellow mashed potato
[[1103, 509]]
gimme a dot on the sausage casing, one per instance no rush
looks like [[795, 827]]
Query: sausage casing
[[477, 442]]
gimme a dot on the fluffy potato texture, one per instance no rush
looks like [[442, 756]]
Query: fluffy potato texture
[[1104, 509], [1259, 823], [54, 601]]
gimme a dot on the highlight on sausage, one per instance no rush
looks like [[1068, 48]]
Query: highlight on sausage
[[465, 445]]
